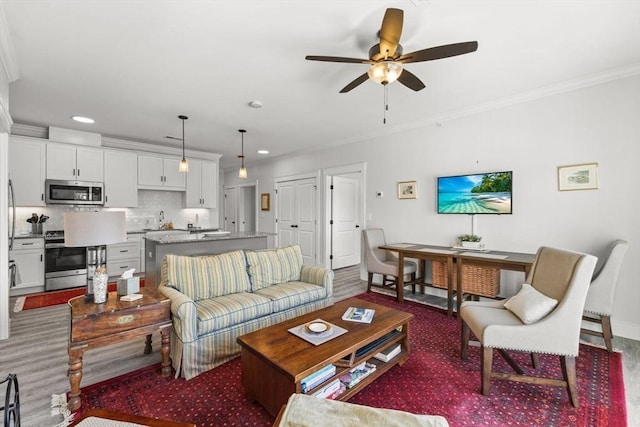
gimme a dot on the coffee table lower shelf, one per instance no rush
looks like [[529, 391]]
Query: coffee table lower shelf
[[270, 376]]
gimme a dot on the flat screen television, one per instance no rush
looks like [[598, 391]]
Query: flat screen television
[[481, 193]]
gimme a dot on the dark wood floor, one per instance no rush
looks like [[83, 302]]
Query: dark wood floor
[[37, 352]]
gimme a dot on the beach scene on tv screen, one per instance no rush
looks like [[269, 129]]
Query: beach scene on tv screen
[[488, 193]]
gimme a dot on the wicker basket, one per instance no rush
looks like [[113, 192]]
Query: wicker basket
[[483, 281]]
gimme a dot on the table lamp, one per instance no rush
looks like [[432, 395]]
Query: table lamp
[[93, 229]]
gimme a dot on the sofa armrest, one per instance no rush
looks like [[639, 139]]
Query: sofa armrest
[[183, 314], [318, 276]]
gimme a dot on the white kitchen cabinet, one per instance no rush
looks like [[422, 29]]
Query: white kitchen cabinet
[[27, 158], [124, 256], [74, 163], [160, 173], [28, 257], [202, 182], [120, 171]]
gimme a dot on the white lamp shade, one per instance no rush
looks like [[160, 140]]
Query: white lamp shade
[[94, 228]]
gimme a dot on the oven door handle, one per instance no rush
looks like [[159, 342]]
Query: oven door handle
[[54, 245]]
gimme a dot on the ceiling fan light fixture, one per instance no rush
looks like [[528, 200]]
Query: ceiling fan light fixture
[[385, 72], [183, 166]]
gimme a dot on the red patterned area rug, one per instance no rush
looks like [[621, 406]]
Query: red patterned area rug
[[47, 299], [434, 380]]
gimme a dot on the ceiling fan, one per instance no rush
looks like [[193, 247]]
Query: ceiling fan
[[387, 60]]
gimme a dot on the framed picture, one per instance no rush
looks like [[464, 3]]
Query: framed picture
[[407, 190], [578, 177], [264, 201]]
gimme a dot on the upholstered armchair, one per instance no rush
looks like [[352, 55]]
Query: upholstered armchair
[[599, 305], [544, 317], [385, 263]]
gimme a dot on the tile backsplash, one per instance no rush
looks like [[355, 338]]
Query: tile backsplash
[[145, 215]]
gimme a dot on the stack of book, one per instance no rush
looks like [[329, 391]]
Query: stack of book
[[332, 390], [388, 353], [361, 315], [317, 378], [357, 374]]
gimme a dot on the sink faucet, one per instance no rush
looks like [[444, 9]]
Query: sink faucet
[[161, 218]]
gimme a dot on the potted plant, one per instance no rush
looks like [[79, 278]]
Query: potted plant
[[470, 241]]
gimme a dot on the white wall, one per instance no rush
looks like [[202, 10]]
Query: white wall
[[595, 124]]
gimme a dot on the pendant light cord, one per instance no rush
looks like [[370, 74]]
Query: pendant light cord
[[183, 139]]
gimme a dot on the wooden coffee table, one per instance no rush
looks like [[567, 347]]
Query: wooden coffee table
[[274, 361]]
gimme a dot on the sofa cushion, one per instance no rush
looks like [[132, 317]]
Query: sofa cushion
[[204, 277], [292, 294], [272, 266], [218, 313]]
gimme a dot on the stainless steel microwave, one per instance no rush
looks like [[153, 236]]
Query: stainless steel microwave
[[73, 192]]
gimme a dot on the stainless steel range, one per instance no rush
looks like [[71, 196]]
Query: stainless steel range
[[66, 267]]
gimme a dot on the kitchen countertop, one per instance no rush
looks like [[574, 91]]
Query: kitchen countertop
[[203, 236], [170, 230], [29, 236]]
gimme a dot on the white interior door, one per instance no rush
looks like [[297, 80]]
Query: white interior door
[[246, 208], [345, 230], [296, 216], [231, 209], [286, 213], [306, 219]]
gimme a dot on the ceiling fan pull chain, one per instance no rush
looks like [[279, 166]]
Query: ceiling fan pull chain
[[386, 104]]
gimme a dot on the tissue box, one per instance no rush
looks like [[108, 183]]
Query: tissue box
[[128, 286]]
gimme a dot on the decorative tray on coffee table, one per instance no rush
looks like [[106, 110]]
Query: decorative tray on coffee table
[[317, 331]]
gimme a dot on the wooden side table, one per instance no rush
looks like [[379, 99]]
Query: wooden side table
[[96, 325]]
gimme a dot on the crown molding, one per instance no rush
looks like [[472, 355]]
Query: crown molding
[[125, 144], [30, 130], [543, 92], [5, 117], [121, 144], [7, 55]]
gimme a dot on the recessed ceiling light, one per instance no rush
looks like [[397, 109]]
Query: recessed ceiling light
[[255, 104], [263, 151], [82, 119]]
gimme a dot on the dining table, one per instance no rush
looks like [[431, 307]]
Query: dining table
[[456, 258]]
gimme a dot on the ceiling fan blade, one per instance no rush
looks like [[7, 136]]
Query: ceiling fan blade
[[337, 59], [410, 80], [357, 82], [390, 32], [439, 52]]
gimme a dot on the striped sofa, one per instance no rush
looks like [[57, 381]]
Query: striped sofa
[[217, 298]]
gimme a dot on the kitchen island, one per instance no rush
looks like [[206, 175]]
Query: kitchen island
[[158, 246]]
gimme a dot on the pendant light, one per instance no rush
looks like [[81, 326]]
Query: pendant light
[[184, 166], [242, 173]]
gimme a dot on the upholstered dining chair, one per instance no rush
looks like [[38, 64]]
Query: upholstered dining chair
[[544, 317], [599, 305], [385, 263]]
